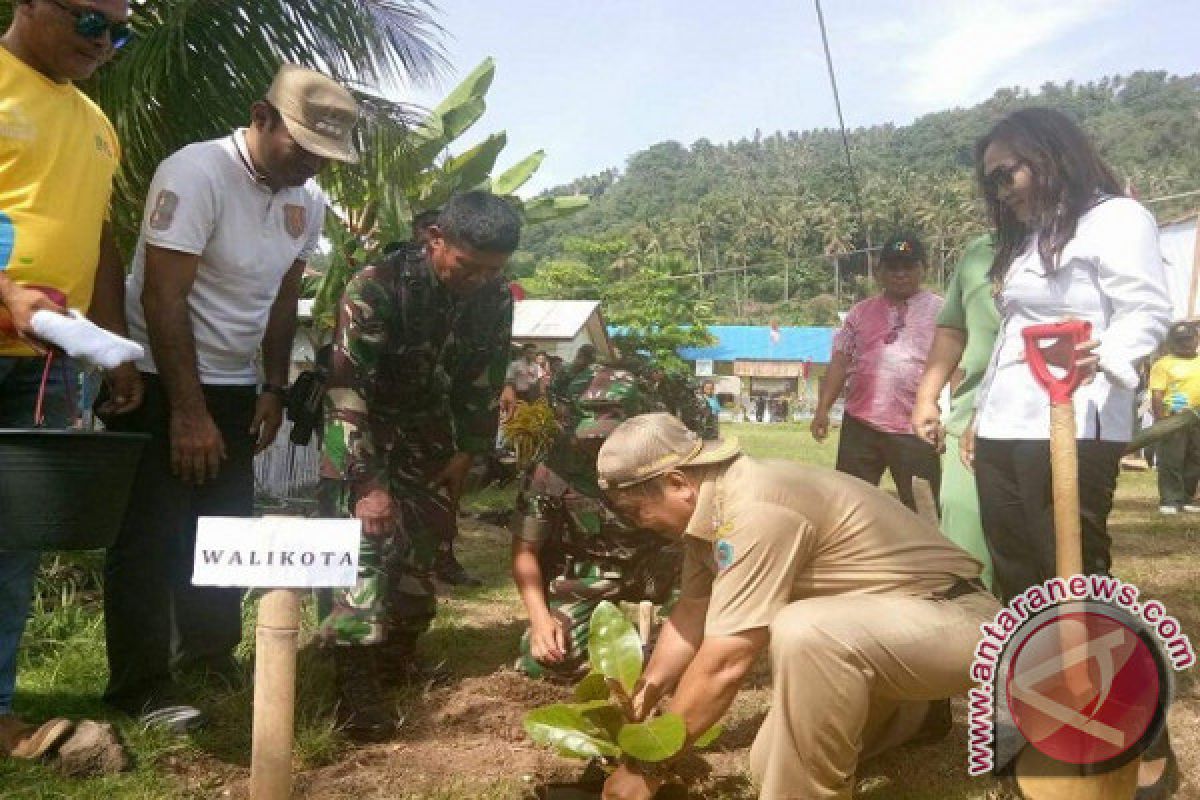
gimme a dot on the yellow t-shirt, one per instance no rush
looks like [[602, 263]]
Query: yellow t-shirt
[[58, 155], [1179, 381]]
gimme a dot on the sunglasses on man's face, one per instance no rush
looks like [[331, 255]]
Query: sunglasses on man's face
[[92, 24], [1002, 177]]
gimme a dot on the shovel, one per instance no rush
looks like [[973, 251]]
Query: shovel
[[1038, 777]]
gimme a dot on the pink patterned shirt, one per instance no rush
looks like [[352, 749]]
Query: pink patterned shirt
[[888, 344]]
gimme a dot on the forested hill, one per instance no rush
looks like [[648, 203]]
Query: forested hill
[[760, 216]]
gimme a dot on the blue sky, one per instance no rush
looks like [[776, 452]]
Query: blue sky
[[593, 81]]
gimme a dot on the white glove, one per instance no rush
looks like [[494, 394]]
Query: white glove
[[83, 339]]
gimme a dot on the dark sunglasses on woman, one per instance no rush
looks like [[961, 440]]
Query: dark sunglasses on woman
[[91, 24], [1002, 177]]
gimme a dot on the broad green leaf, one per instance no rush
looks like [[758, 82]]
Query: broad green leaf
[[456, 121], [517, 175], [473, 167], [571, 202], [569, 732], [614, 646], [545, 208], [604, 715], [655, 740], [708, 737], [591, 688], [428, 141], [472, 87]]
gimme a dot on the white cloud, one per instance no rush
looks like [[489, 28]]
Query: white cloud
[[960, 51]]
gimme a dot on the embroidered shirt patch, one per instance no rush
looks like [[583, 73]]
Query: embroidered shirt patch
[[723, 554], [295, 219], [164, 210]]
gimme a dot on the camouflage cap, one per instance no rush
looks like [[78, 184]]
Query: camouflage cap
[[606, 397], [649, 445], [607, 387], [598, 425]]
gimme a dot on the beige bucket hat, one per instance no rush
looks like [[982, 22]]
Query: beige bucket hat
[[318, 111], [649, 445]]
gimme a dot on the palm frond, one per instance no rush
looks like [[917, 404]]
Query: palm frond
[[196, 66]]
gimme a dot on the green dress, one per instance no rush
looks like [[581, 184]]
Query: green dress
[[969, 307]]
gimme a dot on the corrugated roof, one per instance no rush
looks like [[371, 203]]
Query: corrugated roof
[[756, 342], [551, 319]]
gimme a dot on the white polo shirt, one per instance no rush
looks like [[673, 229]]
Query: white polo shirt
[[206, 201], [1111, 275]]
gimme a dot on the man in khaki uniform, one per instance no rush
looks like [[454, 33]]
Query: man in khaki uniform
[[869, 612]]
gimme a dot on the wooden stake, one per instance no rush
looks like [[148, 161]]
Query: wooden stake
[[274, 694], [645, 620]]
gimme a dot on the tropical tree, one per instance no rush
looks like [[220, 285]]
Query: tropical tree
[[406, 170]]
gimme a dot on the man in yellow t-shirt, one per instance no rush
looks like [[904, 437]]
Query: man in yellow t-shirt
[[1175, 387], [58, 154]]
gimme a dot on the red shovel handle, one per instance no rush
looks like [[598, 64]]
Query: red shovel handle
[[1077, 332]]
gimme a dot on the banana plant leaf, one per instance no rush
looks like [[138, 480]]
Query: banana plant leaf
[[1164, 428], [654, 740], [472, 168], [614, 647], [545, 208], [471, 88], [568, 731], [519, 174]]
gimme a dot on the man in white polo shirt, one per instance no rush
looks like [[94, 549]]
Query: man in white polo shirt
[[228, 226]]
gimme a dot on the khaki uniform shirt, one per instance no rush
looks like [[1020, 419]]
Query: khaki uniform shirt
[[767, 533]]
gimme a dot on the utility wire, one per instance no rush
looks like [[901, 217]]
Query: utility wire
[[837, 102]]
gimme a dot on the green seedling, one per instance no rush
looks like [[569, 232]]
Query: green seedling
[[600, 723]]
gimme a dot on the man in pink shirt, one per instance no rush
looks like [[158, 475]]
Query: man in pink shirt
[[878, 356]]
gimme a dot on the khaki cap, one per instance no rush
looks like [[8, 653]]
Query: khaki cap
[[319, 113], [649, 445]]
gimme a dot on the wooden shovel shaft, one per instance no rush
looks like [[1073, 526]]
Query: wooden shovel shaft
[[274, 695], [1064, 470]]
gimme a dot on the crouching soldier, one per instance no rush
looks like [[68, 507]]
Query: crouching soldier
[[418, 362], [569, 550], [871, 616]]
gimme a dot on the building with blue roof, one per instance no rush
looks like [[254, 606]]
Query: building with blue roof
[[764, 343], [763, 359]]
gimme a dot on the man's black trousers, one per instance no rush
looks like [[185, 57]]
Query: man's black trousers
[[865, 452], [155, 620]]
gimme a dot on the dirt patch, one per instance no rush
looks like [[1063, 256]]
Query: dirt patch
[[466, 741]]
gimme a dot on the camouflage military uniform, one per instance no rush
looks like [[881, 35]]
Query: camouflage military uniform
[[414, 378], [585, 553], [680, 398]]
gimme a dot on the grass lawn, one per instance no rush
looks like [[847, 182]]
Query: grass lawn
[[464, 740]]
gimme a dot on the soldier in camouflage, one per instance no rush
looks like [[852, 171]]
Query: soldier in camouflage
[[418, 361], [679, 397], [569, 550]]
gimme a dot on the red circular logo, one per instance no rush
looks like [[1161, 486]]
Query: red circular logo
[[1083, 688]]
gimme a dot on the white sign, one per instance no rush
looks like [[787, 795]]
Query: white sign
[[276, 552], [704, 367]]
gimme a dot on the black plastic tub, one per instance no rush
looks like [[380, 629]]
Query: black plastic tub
[[65, 489]]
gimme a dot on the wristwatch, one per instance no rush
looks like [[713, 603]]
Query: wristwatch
[[270, 388]]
